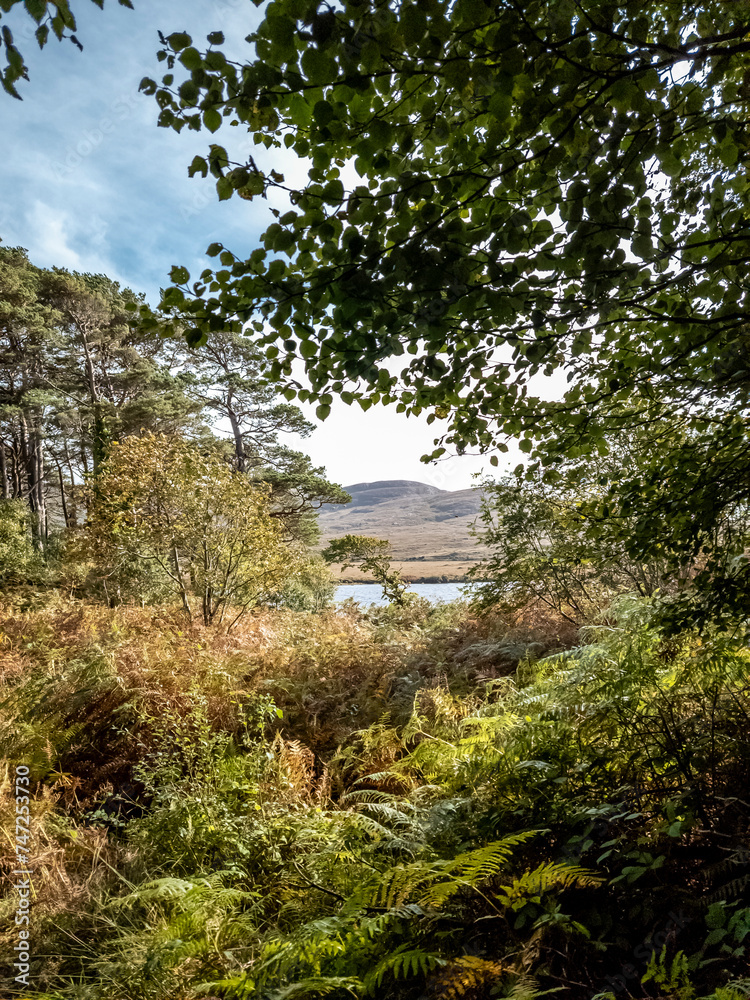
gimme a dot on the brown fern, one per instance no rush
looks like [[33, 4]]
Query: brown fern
[[465, 978]]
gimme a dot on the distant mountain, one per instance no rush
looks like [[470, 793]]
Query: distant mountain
[[427, 527]]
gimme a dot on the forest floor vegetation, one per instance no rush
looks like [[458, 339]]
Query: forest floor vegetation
[[419, 802]]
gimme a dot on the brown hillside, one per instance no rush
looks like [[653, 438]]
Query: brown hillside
[[427, 527]]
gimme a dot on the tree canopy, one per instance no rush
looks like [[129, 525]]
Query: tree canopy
[[77, 374], [496, 192], [205, 526]]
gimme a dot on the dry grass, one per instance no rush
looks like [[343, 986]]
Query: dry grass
[[122, 674], [314, 666], [330, 673], [71, 863], [418, 571]]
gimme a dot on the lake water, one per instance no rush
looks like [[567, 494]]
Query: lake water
[[372, 593]]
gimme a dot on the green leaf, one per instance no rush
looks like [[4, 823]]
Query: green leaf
[[670, 164], [191, 58], [224, 188], [198, 166], [323, 112], [173, 296], [195, 337], [318, 67], [500, 106], [179, 40], [729, 152], [37, 8], [643, 247], [212, 120], [179, 275]]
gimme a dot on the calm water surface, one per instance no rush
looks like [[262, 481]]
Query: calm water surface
[[371, 593]]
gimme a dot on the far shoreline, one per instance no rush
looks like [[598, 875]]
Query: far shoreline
[[350, 581]]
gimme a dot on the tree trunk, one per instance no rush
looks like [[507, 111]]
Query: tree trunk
[[207, 594], [180, 582], [26, 488], [73, 510], [34, 491], [41, 498], [4, 472], [99, 436], [16, 468], [239, 444], [82, 446], [63, 500]]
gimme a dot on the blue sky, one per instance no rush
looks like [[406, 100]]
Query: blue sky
[[90, 183]]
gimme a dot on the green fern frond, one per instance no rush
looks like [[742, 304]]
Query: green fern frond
[[731, 890], [432, 759], [402, 964], [357, 795], [481, 864], [398, 884], [310, 945], [431, 883], [318, 986], [375, 927], [366, 824], [385, 812], [555, 875], [158, 890], [234, 988], [393, 775], [471, 868], [184, 926], [526, 987], [729, 864]]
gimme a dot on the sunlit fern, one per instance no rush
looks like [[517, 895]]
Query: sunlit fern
[[463, 976], [433, 882], [543, 879]]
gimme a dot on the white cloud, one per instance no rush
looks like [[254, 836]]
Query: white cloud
[[93, 185], [49, 238]]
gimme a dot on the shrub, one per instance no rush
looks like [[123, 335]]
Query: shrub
[[19, 559], [311, 588], [207, 529]]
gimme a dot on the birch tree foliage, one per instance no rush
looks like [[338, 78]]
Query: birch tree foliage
[[541, 185], [52, 18], [495, 191], [207, 528], [371, 555]]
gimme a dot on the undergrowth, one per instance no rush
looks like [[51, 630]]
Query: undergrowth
[[416, 803]]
